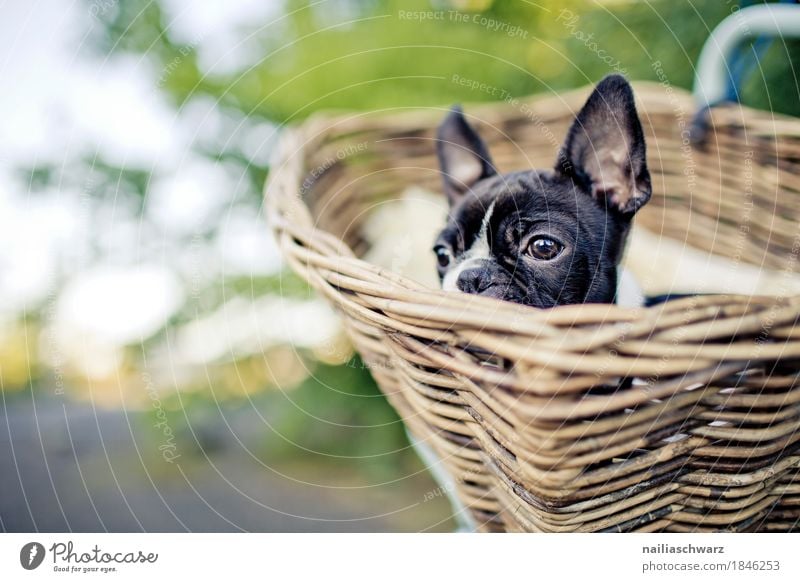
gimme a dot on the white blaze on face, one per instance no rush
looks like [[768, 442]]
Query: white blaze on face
[[478, 251]]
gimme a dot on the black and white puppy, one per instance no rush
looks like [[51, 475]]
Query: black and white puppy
[[545, 237]]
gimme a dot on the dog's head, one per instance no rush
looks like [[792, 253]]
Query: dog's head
[[545, 237]]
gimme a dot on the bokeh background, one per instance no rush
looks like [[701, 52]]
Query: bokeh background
[[160, 369]]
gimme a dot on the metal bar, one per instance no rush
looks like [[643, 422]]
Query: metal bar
[[711, 80]]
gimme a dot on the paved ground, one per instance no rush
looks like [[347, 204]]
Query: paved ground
[[67, 468]]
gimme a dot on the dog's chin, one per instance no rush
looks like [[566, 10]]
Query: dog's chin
[[499, 292], [528, 300], [504, 292]]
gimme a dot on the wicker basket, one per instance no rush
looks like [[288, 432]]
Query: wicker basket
[[681, 417]]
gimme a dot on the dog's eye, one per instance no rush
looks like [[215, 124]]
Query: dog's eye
[[544, 248], [443, 255]]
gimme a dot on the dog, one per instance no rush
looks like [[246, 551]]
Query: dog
[[543, 238], [552, 237]]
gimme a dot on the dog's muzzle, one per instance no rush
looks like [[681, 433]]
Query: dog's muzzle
[[489, 279]]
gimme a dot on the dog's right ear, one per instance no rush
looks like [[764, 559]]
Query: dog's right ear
[[463, 157], [605, 149]]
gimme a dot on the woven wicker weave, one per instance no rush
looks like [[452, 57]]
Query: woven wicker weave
[[681, 417]]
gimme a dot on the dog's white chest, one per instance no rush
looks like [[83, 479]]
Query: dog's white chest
[[629, 293]]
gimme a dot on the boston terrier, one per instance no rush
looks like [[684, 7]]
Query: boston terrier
[[546, 237]]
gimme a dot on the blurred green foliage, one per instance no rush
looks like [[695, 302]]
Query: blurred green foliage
[[379, 54], [353, 421]]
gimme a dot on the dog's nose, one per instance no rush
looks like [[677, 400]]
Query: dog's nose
[[473, 281]]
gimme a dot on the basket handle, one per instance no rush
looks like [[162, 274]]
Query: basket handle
[[715, 82]]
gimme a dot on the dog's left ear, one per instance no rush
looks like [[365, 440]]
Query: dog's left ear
[[463, 156], [605, 151]]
